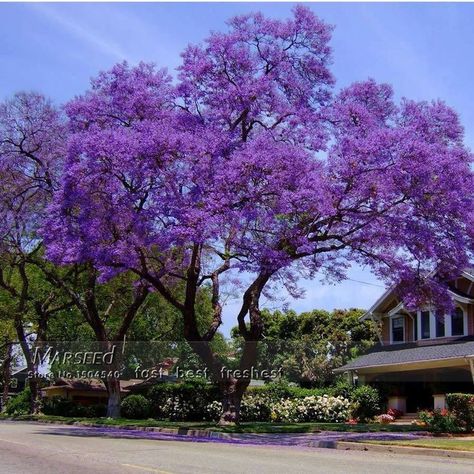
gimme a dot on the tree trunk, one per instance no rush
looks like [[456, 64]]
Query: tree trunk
[[35, 402], [232, 393], [112, 382], [113, 403], [31, 367], [6, 375], [233, 389]]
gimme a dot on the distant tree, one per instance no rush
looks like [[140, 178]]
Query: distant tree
[[6, 358], [307, 347], [155, 332], [32, 148], [33, 137]]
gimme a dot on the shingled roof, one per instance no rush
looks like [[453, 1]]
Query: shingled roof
[[412, 352], [90, 385]]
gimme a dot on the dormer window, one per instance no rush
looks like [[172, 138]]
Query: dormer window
[[398, 329], [430, 326], [457, 322], [440, 326], [425, 325]]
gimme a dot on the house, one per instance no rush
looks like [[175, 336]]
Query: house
[[94, 392], [160, 373], [84, 391], [421, 356], [18, 380]]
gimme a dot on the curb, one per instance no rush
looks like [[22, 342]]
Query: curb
[[191, 432], [386, 448]]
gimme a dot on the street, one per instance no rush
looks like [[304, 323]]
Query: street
[[53, 449]]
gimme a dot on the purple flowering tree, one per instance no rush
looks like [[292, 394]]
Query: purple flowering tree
[[251, 167], [32, 148], [33, 139]]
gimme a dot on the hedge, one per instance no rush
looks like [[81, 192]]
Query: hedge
[[183, 401], [462, 407], [196, 401], [59, 406], [324, 409], [135, 407]]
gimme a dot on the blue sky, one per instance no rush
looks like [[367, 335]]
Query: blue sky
[[423, 50]]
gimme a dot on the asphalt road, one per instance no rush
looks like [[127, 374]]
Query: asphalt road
[[52, 449]]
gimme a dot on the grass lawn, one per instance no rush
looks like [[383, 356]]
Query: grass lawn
[[458, 444], [257, 427]]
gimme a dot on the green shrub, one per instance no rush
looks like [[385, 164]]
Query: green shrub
[[98, 410], [183, 401], [58, 406], [440, 421], [277, 391], [343, 388], [274, 390], [135, 407], [366, 403], [288, 410], [19, 404], [462, 407], [256, 407]]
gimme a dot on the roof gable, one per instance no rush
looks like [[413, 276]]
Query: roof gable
[[462, 290]]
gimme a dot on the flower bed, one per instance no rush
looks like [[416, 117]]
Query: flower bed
[[322, 409]]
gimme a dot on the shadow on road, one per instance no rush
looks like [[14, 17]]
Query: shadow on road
[[292, 439]]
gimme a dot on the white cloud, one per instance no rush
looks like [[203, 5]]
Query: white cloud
[[84, 34]]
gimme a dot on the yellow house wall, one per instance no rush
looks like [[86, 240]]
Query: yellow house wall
[[69, 394]]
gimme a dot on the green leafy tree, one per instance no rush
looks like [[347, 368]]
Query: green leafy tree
[[307, 347], [6, 358]]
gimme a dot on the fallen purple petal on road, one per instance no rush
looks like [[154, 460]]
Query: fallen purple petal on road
[[267, 439]]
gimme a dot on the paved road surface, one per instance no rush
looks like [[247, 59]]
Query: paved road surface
[[29, 448]]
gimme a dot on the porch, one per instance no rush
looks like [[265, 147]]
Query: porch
[[412, 377]]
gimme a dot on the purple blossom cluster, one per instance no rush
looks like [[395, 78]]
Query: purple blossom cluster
[[253, 159]]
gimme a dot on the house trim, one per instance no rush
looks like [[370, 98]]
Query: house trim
[[415, 365], [372, 313]]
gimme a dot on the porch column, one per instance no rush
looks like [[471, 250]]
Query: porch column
[[471, 365], [439, 401], [352, 377], [398, 403]]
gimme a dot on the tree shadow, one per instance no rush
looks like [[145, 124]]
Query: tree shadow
[[323, 439]]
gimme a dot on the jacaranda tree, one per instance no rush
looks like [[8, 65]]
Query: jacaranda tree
[[32, 149], [251, 168]]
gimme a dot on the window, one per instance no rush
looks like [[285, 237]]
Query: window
[[457, 322], [440, 327], [398, 330], [425, 324], [429, 325]]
